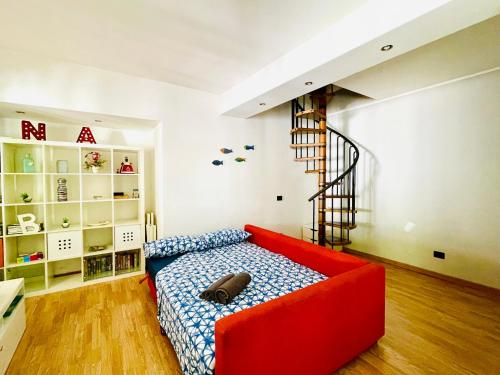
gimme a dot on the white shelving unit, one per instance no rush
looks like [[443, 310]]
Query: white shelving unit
[[68, 261]]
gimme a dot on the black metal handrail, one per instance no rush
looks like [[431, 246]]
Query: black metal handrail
[[346, 172]]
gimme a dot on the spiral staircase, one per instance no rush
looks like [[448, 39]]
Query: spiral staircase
[[333, 158]]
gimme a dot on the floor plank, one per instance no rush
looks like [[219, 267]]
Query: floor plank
[[432, 326]]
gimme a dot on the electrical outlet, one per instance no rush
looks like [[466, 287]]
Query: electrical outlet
[[439, 254], [279, 197]]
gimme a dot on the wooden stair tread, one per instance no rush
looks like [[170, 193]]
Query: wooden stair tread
[[339, 196], [337, 241], [338, 224], [299, 145], [312, 114], [309, 158], [307, 130], [339, 210], [314, 171]]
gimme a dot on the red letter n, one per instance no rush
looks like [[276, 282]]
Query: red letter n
[[28, 129]]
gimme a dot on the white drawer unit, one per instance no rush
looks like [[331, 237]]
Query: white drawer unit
[[63, 245], [128, 237], [11, 327]]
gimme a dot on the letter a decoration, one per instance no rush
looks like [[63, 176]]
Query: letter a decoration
[[86, 136], [28, 129]]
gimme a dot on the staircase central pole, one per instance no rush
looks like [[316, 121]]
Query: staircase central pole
[[322, 103]]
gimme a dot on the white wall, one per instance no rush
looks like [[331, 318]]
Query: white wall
[[193, 195], [432, 158]]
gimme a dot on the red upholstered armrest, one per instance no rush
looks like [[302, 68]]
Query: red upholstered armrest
[[329, 263], [314, 330]]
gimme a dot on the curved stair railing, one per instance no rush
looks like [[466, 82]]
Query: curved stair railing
[[333, 157]]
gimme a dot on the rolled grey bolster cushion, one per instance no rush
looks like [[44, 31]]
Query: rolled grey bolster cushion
[[209, 293], [231, 288]]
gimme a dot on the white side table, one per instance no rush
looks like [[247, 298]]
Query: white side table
[[12, 319]]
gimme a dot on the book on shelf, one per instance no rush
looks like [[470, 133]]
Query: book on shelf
[[96, 266], [127, 261]]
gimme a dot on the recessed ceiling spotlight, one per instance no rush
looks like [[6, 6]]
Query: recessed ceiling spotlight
[[21, 112], [386, 48], [262, 103], [98, 120], [308, 83]]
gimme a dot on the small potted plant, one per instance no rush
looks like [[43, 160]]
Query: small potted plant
[[93, 161], [65, 222], [26, 197]]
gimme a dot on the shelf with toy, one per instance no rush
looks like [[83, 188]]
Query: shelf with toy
[[125, 162], [21, 250]]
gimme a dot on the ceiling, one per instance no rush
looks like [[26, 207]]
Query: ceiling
[[207, 45], [469, 51]]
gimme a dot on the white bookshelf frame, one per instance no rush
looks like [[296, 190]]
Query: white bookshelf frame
[[50, 284]]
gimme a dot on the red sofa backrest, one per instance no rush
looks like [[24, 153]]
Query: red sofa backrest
[[329, 263]]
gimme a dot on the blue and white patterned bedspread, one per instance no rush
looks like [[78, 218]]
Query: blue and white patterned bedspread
[[189, 321]]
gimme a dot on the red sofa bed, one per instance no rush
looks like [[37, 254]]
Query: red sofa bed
[[314, 330]]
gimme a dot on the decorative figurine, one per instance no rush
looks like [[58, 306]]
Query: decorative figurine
[[126, 167], [28, 164], [62, 190]]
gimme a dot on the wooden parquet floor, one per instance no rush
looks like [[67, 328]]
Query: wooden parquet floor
[[432, 327]]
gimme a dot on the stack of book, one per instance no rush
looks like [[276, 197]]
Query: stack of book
[[14, 229], [120, 195], [127, 261], [96, 267]]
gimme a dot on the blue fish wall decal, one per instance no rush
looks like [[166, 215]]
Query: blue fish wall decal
[[249, 147], [217, 162]]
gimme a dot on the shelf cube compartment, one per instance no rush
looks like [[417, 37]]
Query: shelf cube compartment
[[127, 212], [62, 160], [97, 214], [72, 188], [56, 212], [24, 247], [128, 237], [96, 238], [64, 274], [119, 158], [12, 212], [2, 258], [15, 160], [63, 245], [96, 267], [34, 276], [96, 187], [126, 184], [17, 184], [127, 261], [104, 154]]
